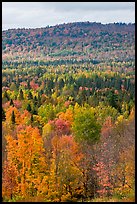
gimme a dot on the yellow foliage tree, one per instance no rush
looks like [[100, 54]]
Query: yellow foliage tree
[[26, 155], [65, 174], [67, 116], [9, 113]]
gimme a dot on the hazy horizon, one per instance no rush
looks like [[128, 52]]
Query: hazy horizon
[[42, 14], [66, 23]]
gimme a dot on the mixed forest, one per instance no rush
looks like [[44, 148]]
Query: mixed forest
[[68, 104]]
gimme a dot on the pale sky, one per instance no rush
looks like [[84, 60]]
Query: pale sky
[[41, 14]]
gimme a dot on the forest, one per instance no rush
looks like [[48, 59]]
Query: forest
[[68, 113]]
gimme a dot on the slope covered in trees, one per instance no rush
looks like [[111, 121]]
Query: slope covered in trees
[[68, 101], [81, 40]]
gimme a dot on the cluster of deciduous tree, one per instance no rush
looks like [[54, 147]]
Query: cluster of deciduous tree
[[83, 83], [66, 153], [68, 118], [78, 40]]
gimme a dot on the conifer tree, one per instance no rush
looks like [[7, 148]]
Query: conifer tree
[[13, 117], [30, 96], [11, 102], [29, 107], [35, 100], [21, 96], [31, 119], [6, 96], [3, 115]]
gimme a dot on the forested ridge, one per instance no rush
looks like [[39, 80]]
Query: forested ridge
[[68, 103]]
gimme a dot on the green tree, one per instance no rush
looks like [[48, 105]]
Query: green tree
[[35, 100], [39, 100], [28, 85], [31, 119], [11, 103], [13, 87], [30, 96], [85, 127], [29, 108], [112, 99], [21, 96], [3, 115], [6, 97]]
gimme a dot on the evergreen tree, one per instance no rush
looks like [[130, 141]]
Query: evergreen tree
[[28, 85], [29, 108], [40, 92], [112, 99], [11, 103], [39, 100], [3, 115], [15, 97], [30, 96], [21, 96], [35, 101], [31, 119], [13, 118], [6, 96], [34, 111]]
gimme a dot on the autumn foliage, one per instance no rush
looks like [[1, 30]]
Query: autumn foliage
[[68, 113]]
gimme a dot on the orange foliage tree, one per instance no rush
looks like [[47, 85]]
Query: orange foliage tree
[[25, 155]]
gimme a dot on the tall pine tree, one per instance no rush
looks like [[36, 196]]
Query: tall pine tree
[[13, 118]]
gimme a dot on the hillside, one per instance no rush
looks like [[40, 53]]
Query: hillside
[[81, 40], [68, 113]]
